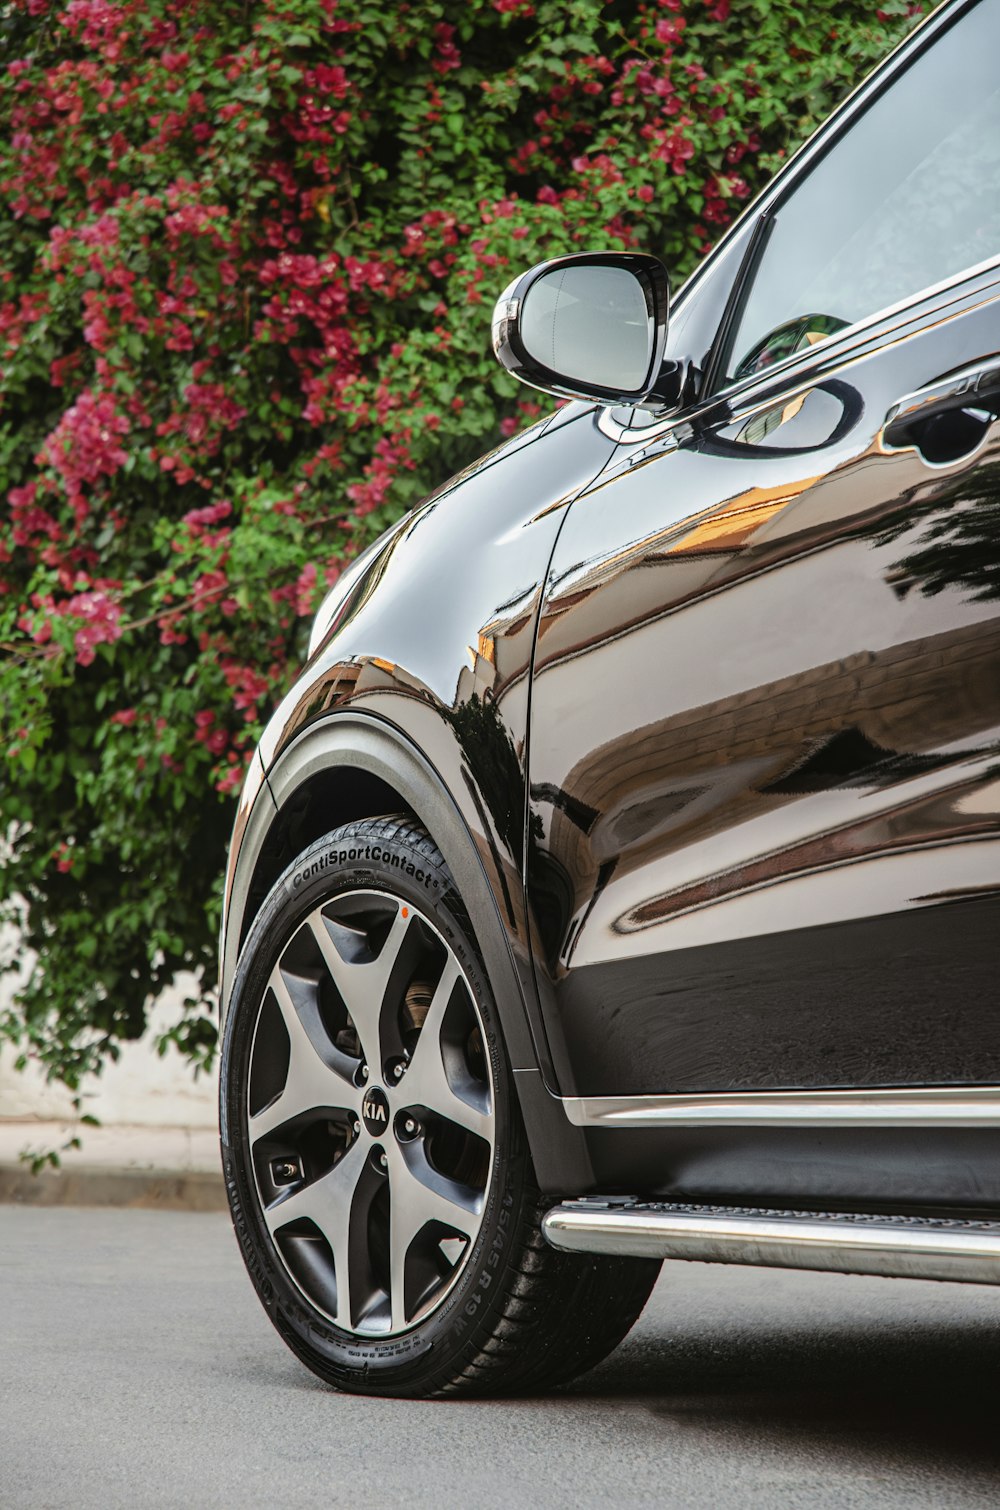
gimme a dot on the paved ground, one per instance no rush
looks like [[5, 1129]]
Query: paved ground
[[136, 1370]]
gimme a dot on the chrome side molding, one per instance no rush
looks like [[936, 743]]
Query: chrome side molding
[[917, 1106], [899, 1246]]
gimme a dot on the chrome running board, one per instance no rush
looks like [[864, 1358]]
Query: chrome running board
[[913, 1247]]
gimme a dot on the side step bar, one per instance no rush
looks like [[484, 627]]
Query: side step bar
[[912, 1247]]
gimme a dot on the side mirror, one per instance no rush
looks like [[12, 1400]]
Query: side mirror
[[593, 325]]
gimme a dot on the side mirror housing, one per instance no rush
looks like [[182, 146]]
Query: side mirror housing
[[590, 326]]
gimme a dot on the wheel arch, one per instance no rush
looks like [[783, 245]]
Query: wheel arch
[[354, 765], [326, 800]]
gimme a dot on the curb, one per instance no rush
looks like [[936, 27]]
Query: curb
[[159, 1168], [160, 1190]]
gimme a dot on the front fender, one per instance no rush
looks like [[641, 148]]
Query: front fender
[[366, 743]]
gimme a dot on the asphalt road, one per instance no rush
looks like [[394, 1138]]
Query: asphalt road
[[137, 1370]]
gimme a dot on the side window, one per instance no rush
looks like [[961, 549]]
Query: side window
[[908, 197]]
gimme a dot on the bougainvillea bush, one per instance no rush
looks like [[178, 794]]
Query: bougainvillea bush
[[248, 254]]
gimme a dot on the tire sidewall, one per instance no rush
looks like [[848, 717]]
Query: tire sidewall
[[378, 857]]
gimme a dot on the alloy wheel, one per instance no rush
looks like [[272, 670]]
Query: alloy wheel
[[370, 1113]]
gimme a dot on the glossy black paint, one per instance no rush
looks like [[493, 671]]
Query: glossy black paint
[[436, 642], [908, 1171], [868, 1002], [714, 707], [766, 710]]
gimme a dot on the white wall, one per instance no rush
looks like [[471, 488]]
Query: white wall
[[140, 1090]]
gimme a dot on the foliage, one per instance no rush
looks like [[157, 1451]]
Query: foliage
[[248, 253]]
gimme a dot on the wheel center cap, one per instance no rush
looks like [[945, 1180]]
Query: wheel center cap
[[375, 1112]]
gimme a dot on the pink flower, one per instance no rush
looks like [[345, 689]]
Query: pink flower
[[101, 626], [64, 858], [197, 520], [86, 443], [305, 587]]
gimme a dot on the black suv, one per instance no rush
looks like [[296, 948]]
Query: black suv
[[621, 879]]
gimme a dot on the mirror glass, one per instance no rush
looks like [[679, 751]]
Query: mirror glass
[[590, 325]]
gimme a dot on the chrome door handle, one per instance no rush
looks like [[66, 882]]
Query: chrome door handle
[[976, 389]]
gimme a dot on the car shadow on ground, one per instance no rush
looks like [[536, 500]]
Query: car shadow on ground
[[929, 1391], [882, 1378]]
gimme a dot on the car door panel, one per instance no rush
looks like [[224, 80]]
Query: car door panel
[[765, 791]]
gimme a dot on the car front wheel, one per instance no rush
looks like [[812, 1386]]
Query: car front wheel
[[377, 1169]]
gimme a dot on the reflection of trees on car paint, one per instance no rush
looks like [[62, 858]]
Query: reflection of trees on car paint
[[789, 338], [959, 540], [489, 749]]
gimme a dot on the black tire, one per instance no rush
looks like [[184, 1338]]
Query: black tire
[[513, 1314]]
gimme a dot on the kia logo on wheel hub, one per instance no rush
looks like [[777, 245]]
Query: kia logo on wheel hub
[[375, 1111]]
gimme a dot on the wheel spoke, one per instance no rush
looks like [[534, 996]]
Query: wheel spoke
[[309, 1082], [327, 1202], [419, 1195], [362, 985], [426, 1082]]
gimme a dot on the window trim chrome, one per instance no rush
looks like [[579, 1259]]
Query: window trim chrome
[[802, 362], [921, 1106], [966, 275]]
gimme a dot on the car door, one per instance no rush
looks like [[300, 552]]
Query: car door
[[764, 824]]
